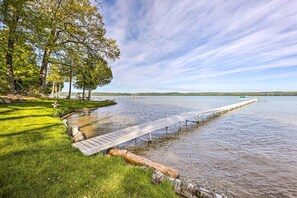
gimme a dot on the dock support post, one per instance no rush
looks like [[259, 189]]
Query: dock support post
[[186, 123], [197, 120], [150, 137]]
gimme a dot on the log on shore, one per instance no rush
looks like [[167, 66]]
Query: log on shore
[[134, 159]]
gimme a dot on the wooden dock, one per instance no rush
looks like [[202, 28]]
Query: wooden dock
[[100, 143]]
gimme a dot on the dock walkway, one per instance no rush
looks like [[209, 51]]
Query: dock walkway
[[100, 143]]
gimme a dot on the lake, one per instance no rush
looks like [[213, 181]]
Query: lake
[[249, 152]]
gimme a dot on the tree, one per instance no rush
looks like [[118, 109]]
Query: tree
[[72, 62], [13, 14], [102, 76], [3, 67], [24, 64], [25, 69], [56, 78], [62, 32], [73, 22], [93, 73]]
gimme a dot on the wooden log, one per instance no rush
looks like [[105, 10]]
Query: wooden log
[[134, 159]]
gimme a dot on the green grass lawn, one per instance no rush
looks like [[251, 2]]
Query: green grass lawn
[[37, 159]]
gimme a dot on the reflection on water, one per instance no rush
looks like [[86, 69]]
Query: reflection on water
[[250, 152], [92, 123]]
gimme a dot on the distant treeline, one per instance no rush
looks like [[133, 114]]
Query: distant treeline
[[276, 93]]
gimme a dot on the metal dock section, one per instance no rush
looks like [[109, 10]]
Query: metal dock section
[[100, 143]]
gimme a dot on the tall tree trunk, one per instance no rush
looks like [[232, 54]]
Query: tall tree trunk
[[10, 47], [45, 59], [53, 89], [60, 90], [70, 84], [84, 89], [56, 90], [89, 94], [43, 69], [9, 63]]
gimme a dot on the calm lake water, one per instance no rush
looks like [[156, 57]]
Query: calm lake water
[[249, 152]]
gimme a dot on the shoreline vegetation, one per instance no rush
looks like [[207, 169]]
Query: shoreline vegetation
[[274, 93], [37, 159]]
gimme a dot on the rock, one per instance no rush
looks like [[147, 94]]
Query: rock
[[75, 131], [78, 137], [158, 177], [65, 122], [183, 188]]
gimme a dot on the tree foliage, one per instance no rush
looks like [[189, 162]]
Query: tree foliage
[[14, 14], [25, 68], [69, 35], [73, 22], [92, 74]]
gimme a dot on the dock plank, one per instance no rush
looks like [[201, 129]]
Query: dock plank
[[81, 146], [87, 144], [91, 141]]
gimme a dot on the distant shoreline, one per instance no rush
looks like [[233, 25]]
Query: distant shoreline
[[275, 93]]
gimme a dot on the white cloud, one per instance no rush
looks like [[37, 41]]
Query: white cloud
[[179, 44]]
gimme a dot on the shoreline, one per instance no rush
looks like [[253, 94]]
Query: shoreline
[[73, 132], [37, 150], [67, 114], [268, 93], [180, 186]]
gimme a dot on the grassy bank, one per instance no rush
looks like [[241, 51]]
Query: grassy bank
[[37, 159]]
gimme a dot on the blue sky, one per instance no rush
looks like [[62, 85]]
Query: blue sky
[[202, 45]]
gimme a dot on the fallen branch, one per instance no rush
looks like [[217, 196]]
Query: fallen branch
[[134, 159]]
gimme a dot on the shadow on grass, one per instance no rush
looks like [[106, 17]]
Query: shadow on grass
[[30, 108], [57, 176], [7, 111], [20, 117], [34, 151], [32, 131]]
